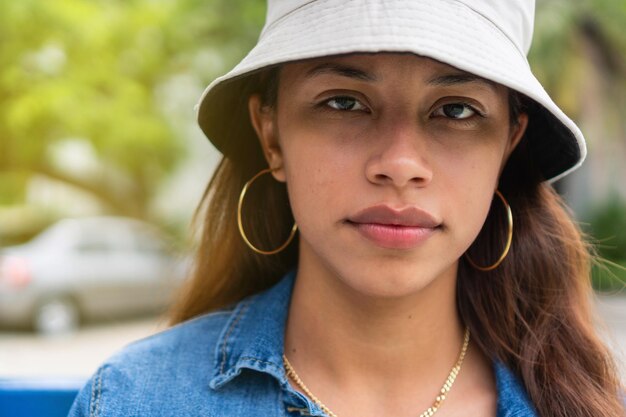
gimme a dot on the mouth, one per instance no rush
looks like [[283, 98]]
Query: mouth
[[394, 229]]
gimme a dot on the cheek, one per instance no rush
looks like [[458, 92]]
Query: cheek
[[317, 177], [467, 189], [321, 164]]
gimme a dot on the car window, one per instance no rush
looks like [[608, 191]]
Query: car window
[[99, 239], [93, 245], [147, 242]]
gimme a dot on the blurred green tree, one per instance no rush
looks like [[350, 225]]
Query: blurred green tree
[[86, 71], [579, 49]]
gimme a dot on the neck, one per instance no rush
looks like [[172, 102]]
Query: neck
[[346, 345]]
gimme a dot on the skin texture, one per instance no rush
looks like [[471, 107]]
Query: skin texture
[[373, 327]]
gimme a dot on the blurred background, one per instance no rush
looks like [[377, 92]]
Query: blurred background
[[102, 164]]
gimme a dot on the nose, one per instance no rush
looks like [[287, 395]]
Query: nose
[[401, 159]]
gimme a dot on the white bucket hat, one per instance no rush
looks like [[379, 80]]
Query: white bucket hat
[[489, 38]]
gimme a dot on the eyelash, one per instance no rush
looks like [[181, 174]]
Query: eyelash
[[325, 104], [476, 112]]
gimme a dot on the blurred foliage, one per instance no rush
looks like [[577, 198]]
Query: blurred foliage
[[608, 227], [576, 43], [607, 224], [88, 70], [609, 277]]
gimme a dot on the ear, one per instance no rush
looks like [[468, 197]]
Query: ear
[[516, 134], [263, 119]]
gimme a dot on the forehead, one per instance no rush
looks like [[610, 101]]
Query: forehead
[[383, 67], [376, 61]]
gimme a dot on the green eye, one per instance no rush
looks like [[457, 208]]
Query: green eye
[[345, 103]]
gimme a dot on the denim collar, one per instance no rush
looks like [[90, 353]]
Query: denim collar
[[253, 339]]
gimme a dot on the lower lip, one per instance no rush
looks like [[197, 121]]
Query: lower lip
[[392, 236]]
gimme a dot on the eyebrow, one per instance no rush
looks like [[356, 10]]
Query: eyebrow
[[460, 78], [341, 70], [445, 80]]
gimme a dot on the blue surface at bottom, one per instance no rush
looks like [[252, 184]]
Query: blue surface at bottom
[[37, 398]]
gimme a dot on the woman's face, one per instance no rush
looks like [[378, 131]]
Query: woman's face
[[391, 162]]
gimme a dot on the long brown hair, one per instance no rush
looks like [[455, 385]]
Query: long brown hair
[[533, 313]]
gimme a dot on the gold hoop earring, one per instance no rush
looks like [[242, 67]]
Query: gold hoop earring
[[509, 239], [240, 222]]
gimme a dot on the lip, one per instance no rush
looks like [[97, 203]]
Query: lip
[[394, 229]]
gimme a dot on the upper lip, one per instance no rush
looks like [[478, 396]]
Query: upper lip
[[383, 214]]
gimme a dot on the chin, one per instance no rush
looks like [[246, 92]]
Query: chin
[[390, 283], [381, 274]]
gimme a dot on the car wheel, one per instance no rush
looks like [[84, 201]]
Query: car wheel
[[56, 316]]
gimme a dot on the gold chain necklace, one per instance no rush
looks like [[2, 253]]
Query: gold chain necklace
[[445, 389]]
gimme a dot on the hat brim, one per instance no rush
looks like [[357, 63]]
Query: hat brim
[[335, 27]]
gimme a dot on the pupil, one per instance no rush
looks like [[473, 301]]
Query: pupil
[[345, 103], [453, 110]]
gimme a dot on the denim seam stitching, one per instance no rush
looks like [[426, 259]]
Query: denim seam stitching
[[96, 394], [228, 334]]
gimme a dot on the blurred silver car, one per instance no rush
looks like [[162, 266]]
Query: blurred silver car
[[85, 269]]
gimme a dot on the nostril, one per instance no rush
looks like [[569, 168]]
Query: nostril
[[399, 180], [418, 180]]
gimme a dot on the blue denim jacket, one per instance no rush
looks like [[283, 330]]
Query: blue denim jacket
[[224, 364]]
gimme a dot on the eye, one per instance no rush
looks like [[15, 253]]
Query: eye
[[457, 111], [345, 103]]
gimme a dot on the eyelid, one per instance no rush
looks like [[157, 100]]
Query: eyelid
[[471, 106], [327, 96], [325, 104]]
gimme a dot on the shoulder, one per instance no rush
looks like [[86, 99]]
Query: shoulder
[[188, 341], [138, 379], [215, 365]]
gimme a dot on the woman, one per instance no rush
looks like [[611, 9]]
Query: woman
[[428, 267]]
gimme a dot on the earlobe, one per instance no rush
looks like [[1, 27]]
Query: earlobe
[[263, 121]]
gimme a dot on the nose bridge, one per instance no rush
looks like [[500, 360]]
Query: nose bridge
[[403, 156], [403, 139]]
